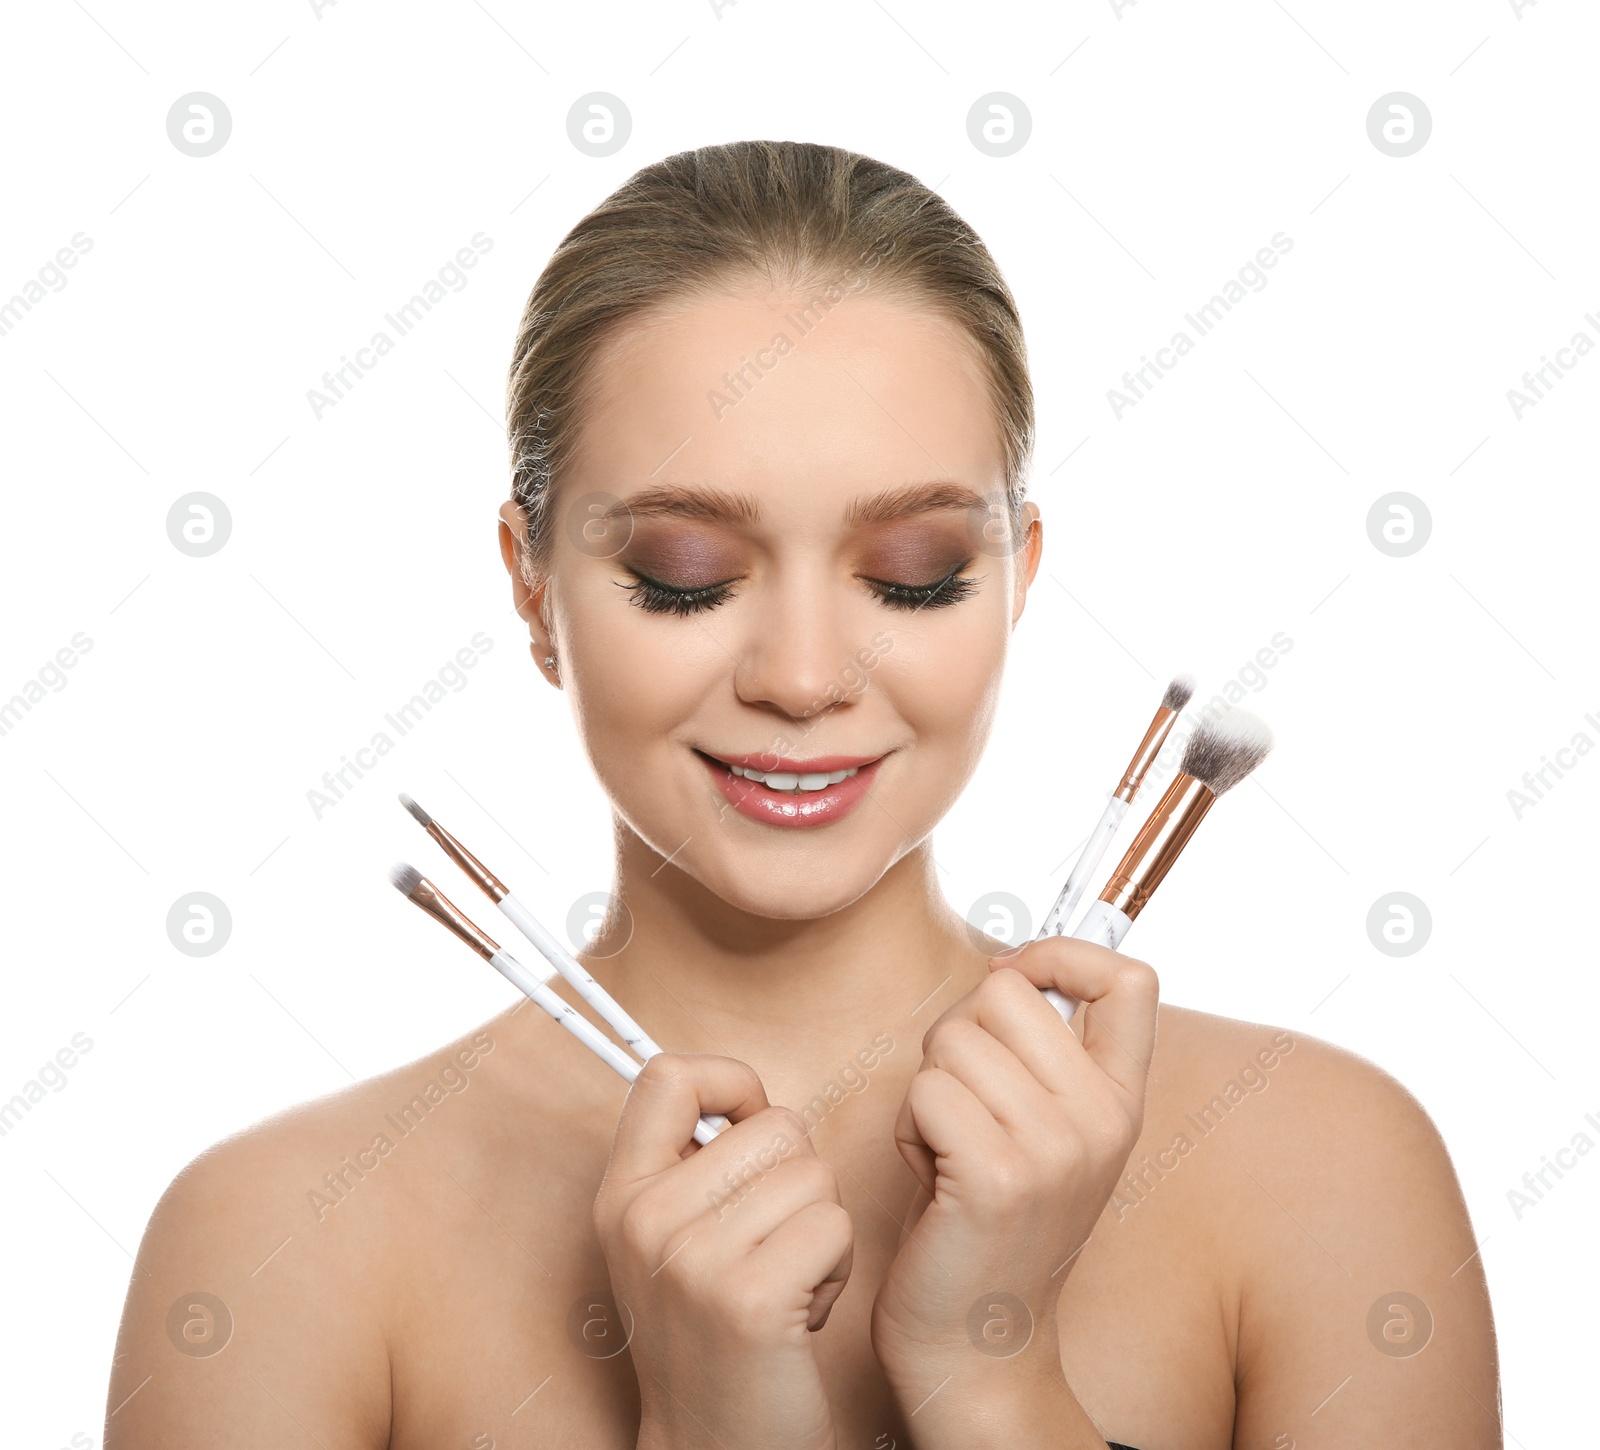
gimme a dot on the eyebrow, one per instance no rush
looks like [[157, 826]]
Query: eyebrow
[[715, 505]]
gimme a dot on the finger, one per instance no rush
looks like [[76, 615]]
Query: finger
[[665, 1102], [747, 1212], [727, 1169], [1013, 1011], [939, 1114], [993, 1073], [1120, 995], [818, 1243]]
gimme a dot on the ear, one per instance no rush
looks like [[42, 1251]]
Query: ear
[[528, 600], [1027, 556]]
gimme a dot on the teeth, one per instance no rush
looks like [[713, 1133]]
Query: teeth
[[790, 781]]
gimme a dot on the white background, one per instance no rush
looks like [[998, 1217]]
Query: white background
[[1169, 142]]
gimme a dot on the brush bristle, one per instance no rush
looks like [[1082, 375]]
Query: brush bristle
[[405, 878], [1222, 752], [423, 818], [1179, 692]]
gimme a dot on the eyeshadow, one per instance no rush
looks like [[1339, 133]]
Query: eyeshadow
[[682, 555], [915, 551]]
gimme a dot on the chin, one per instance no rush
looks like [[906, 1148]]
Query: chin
[[785, 872], [773, 872], [788, 890]]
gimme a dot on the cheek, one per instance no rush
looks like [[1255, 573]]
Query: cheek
[[944, 673], [631, 677]]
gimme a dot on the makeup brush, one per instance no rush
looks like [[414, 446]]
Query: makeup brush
[[1178, 694], [550, 949], [523, 919], [1218, 755], [417, 889]]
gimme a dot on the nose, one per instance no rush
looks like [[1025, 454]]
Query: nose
[[800, 655]]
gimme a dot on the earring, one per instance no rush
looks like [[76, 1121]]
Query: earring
[[550, 662]]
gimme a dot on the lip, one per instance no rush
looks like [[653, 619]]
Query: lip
[[783, 808], [765, 761]]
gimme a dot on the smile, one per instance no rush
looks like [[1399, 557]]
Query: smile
[[792, 781], [793, 793]]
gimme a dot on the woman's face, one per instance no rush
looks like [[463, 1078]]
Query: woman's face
[[781, 546]]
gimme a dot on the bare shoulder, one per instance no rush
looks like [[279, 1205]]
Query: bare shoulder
[[1349, 1244], [261, 1295], [1318, 1103]]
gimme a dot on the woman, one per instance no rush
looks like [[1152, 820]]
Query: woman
[[771, 421]]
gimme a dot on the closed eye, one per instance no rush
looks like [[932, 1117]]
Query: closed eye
[[658, 598], [952, 589]]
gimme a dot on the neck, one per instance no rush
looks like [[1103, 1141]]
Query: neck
[[791, 998]]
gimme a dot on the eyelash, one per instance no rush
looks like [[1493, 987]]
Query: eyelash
[[663, 599], [650, 594], [949, 590]]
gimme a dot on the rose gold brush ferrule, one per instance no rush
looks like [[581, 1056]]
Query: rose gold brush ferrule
[[481, 875], [1160, 841], [1144, 757], [442, 909]]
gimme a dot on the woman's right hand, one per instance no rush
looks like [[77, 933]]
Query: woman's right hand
[[727, 1256]]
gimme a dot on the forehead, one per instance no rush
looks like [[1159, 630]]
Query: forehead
[[789, 397]]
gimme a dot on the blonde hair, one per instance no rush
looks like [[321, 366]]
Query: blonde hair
[[699, 222]]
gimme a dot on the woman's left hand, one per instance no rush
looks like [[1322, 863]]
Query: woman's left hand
[[1017, 1132]]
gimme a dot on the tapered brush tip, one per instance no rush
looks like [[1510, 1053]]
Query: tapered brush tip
[[423, 818], [1222, 752], [1179, 692], [404, 878]]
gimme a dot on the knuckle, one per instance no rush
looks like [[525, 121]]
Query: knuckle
[[751, 1076], [1056, 948], [1062, 1150], [640, 1225], [787, 1124], [816, 1177], [928, 1081], [1010, 988], [1058, 955], [951, 1020], [831, 1225], [834, 1219], [1106, 1136], [947, 1033], [1007, 1177], [768, 1154], [1141, 976], [1060, 1163], [824, 1224], [1064, 1154], [679, 1262], [1109, 1130], [666, 1071]]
